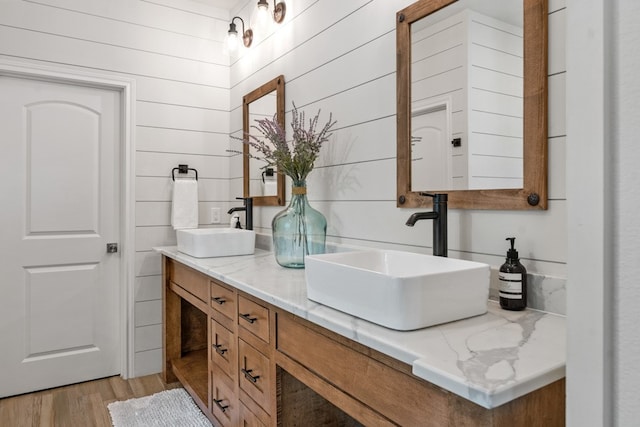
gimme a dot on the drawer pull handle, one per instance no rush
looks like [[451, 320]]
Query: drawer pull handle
[[248, 317], [247, 375], [219, 404], [221, 351], [219, 300]]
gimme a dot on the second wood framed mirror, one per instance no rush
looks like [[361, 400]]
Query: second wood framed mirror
[[264, 185], [476, 79]]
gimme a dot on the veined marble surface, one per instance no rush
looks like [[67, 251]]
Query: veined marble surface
[[489, 359]]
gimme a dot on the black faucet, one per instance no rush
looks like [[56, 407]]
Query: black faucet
[[247, 209], [439, 217]]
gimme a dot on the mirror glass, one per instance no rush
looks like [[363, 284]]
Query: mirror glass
[[472, 103], [262, 182], [262, 179], [467, 97]]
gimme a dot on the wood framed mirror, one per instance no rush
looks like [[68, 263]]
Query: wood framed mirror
[[267, 101], [477, 141]]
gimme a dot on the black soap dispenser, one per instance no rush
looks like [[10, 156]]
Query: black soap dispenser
[[513, 281]]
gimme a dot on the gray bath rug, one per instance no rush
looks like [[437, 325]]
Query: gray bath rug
[[167, 408]]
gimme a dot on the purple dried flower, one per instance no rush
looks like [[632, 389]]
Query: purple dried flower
[[295, 158]]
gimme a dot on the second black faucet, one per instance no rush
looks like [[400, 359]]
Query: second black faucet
[[247, 208]]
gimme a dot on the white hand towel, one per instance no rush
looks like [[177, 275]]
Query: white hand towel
[[184, 209]]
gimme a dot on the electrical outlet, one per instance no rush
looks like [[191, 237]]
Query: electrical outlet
[[215, 215]]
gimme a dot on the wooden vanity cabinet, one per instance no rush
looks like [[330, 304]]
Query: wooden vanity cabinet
[[258, 365], [379, 390], [217, 344]]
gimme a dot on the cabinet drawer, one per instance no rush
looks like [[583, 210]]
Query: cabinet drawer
[[223, 299], [190, 280], [248, 418], [224, 403], [253, 317], [223, 349], [255, 375], [372, 382]]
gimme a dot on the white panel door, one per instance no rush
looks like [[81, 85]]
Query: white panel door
[[59, 207], [430, 151]]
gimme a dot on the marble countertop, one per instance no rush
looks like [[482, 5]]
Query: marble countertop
[[489, 359]]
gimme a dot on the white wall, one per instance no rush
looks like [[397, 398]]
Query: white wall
[[589, 375], [603, 380], [626, 196], [173, 53]]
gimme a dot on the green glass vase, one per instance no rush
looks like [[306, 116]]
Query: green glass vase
[[299, 230]]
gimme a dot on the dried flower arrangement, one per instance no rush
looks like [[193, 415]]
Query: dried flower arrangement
[[297, 157]]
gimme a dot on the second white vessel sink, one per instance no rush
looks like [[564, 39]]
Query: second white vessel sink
[[398, 290], [216, 242]]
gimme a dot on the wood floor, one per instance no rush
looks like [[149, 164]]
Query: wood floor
[[78, 405]]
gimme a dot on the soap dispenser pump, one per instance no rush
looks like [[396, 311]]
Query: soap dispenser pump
[[234, 222], [513, 281]]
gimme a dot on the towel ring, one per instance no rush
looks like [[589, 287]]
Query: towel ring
[[182, 169]]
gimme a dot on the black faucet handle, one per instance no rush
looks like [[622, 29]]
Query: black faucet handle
[[245, 200], [440, 197]]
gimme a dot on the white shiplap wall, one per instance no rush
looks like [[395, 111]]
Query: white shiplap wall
[[172, 50], [340, 57]]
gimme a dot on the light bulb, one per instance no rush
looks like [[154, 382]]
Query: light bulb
[[232, 42], [262, 16], [263, 5]]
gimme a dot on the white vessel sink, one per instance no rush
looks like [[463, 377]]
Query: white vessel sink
[[216, 242], [398, 290]]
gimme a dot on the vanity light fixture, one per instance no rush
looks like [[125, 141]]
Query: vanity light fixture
[[279, 9], [263, 12], [232, 40]]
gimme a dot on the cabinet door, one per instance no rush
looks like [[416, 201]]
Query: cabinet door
[[223, 349], [255, 375], [248, 418], [224, 402]]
